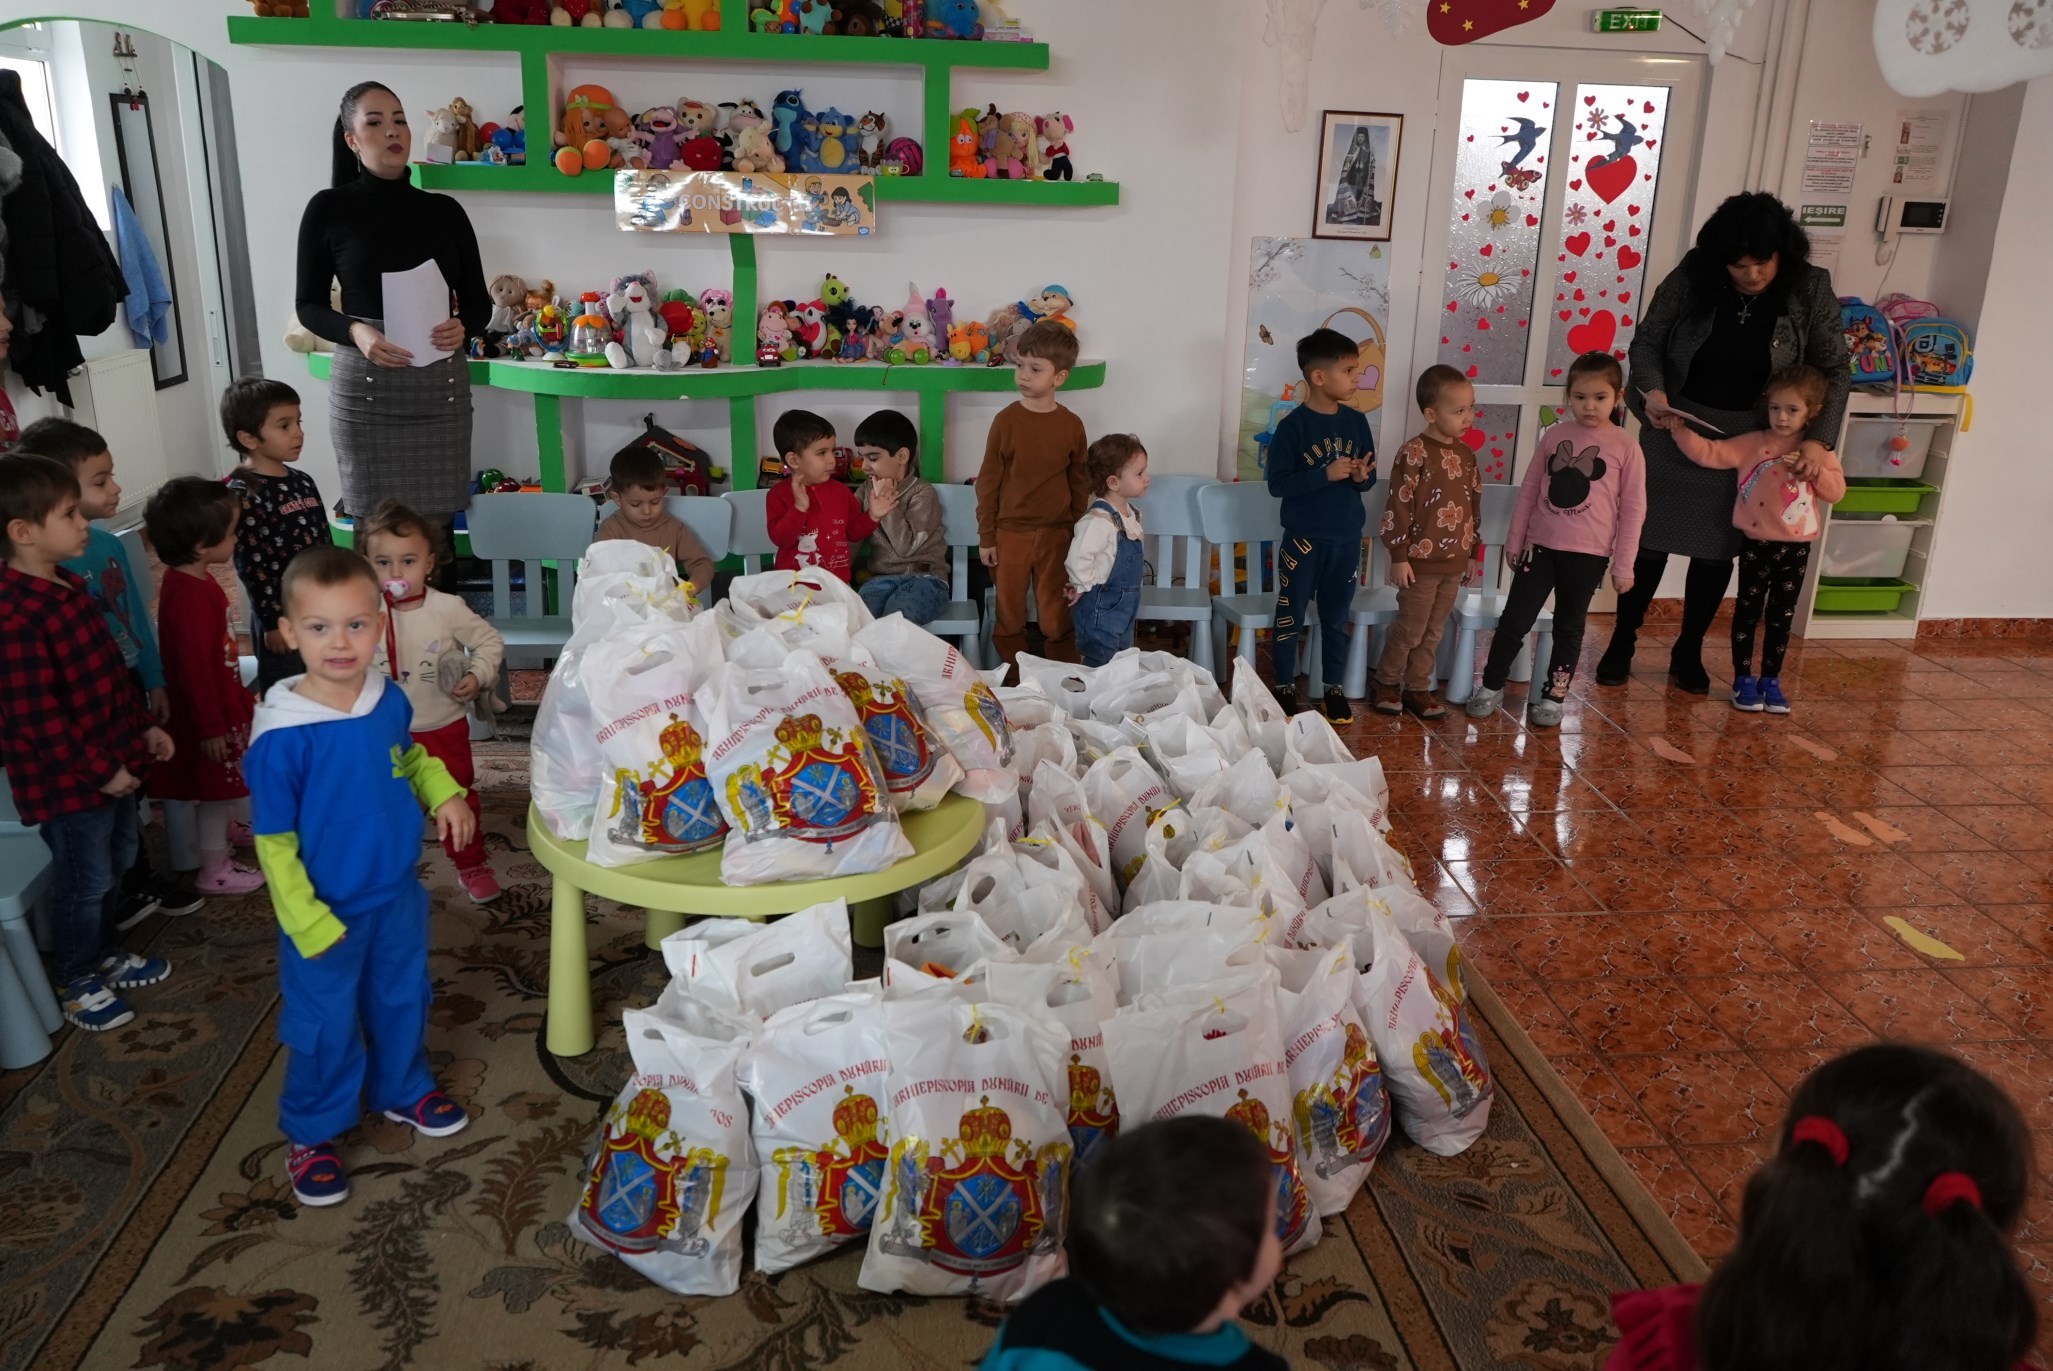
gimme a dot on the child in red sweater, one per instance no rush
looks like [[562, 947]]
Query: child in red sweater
[[815, 521], [1879, 1236]]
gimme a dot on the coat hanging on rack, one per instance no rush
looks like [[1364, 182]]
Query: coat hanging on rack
[[61, 276]]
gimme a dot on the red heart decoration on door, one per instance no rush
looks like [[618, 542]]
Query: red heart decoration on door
[[1632, 209], [1569, 277], [1628, 258], [1611, 179], [1589, 99], [1483, 324], [1624, 297], [1595, 336], [1632, 230], [1470, 194], [1647, 107], [1474, 437], [1486, 249], [1522, 96], [1577, 243], [1472, 372], [1531, 219], [1566, 315], [1575, 185]]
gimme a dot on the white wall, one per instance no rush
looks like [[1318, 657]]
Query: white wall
[[1986, 560]]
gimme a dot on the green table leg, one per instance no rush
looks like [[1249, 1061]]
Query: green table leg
[[867, 919], [570, 973], [658, 925]]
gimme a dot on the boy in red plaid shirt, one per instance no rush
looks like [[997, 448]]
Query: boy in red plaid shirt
[[75, 733]]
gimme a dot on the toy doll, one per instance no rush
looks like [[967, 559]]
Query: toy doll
[[716, 306], [1055, 130]]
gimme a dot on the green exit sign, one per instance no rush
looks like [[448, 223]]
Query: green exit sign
[[1625, 21]]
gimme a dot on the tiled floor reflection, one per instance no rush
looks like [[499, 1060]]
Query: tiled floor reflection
[[1686, 938]]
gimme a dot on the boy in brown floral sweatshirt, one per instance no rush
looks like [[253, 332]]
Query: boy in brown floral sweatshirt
[[1429, 529]]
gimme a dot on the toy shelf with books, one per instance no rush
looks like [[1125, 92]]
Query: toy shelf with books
[[1873, 557], [546, 54]]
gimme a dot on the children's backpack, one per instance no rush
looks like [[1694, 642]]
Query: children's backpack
[[1870, 353], [1775, 506], [1900, 309], [1936, 352]]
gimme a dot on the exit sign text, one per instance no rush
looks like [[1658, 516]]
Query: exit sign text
[[1625, 21]]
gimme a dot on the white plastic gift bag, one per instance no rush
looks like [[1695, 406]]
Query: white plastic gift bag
[[1338, 1101], [1036, 911], [1057, 803], [794, 772], [1070, 687], [1187, 753], [1257, 707], [977, 1184], [1125, 794], [1133, 663], [958, 702], [1246, 788], [673, 1170], [1155, 882], [815, 1076], [1217, 1049], [619, 583], [1078, 992], [1362, 857], [767, 594], [919, 770], [761, 968], [1433, 1059], [1044, 846], [646, 684], [927, 948]]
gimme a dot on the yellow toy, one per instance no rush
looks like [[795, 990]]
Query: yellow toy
[[700, 15]]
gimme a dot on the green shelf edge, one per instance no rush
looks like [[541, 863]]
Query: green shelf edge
[[599, 383], [543, 178], [936, 55]]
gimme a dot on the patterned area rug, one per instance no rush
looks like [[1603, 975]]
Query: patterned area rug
[[149, 1224]]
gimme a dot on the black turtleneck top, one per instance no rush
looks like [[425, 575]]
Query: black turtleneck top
[[355, 233]]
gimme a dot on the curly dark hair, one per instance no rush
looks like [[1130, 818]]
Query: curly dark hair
[[1751, 224], [1108, 457]]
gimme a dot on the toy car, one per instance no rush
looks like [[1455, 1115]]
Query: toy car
[[769, 355]]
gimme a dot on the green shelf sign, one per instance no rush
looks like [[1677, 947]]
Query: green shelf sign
[[1625, 21]]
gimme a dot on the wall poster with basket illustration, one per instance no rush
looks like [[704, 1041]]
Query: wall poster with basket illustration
[[1357, 182], [1294, 286]]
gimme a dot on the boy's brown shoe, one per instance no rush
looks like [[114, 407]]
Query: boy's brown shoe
[[1385, 699], [1422, 703]]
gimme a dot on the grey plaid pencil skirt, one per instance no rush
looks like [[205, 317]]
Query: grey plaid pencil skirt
[[401, 433], [1689, 508]]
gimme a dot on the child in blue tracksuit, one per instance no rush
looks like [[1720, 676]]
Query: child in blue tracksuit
[[337, 785], [1320, 460], [1105, 549]]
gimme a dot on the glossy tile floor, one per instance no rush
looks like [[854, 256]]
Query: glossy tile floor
[[1691, 906]]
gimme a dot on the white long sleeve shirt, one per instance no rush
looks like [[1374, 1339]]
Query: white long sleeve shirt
[[1094, 544], [443, 622]]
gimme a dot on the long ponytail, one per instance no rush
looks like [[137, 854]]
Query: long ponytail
[[344, 164]]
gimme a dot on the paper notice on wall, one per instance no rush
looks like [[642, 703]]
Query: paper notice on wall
[[1825, 245], [1921, 153], [1831, 155]]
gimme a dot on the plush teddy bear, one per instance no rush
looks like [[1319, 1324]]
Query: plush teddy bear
[[577, 13], [443, 127], [467, 141], [753, 150], [643, 335]]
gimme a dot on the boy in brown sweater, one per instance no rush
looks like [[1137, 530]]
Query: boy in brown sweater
[[1429, 530], [1031, 491]]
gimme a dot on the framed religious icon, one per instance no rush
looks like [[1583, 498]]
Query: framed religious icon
[[1357, 175]]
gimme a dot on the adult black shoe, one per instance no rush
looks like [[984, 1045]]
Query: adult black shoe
[[1689, 678], [1614, 671]]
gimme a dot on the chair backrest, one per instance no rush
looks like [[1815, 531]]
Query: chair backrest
[[1500, 502], [711, 520], [10, 817], [1237, 512], [531, 528], [1374, 500], [959, 529], [1169, 512], [750, 537]]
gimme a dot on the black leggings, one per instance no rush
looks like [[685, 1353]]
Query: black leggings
[[1572, 578], [1701, 593], [1771, 576]]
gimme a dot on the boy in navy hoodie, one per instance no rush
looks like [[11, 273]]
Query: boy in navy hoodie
[[337, 785]]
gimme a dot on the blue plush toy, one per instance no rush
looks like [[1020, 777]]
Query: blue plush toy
[[788, 117], [953, 19]]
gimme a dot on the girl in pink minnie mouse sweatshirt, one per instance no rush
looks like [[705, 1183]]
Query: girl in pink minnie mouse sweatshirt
[[1594, 483]]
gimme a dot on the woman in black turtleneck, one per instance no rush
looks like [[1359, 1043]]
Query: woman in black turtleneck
[[400, 431]]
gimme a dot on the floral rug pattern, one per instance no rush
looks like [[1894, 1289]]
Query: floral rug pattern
[[150, 1224]]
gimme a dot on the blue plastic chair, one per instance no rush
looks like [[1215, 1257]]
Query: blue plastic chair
[[532, 529], [750, 538], [709, 518], [1178, 589], [28, 1006], [1244, 513], [1478, 606], [1375, 603], [960, 619]]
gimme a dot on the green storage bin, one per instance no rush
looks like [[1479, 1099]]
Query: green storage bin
[[1883, 496], [1860, 594]]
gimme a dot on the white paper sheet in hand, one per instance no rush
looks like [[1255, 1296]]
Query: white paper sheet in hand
[[415, 302]]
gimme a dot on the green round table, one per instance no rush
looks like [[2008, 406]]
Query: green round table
[[670, 888]]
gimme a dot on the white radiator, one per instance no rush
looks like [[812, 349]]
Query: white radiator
[[117, 397]]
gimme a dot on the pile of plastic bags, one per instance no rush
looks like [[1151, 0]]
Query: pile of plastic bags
[[1184, 903], [770, 727]]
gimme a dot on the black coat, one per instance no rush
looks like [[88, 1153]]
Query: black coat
[[63, 281]]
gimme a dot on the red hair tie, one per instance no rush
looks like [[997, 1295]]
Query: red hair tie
[[1816, 1128], [1949, 1188]]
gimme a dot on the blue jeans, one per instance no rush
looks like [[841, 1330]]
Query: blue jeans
[[919, 598], [1104, 622], [1310, 572], [89, 850]]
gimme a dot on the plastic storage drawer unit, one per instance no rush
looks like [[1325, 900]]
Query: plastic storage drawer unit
[[1868, 453], [1866, 547]]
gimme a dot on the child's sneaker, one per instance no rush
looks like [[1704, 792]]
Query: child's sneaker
[[1484, 702], [90, 1005], [1543, 711], [433, 1115], [480, 884], [1286, 700], [317, 1176], [1772, 696], [1746, 694], [131, 970], [176, 896], [1335, 706], [227, 877]]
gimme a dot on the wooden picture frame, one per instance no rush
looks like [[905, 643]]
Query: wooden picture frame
[[1356, 190]]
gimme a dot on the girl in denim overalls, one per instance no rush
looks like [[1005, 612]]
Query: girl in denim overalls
[[1104, 562]]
